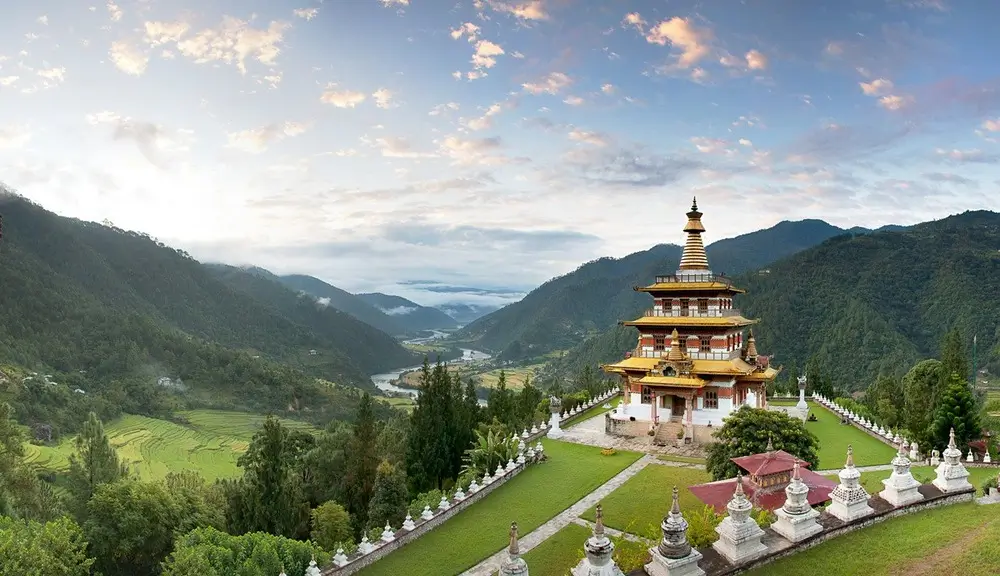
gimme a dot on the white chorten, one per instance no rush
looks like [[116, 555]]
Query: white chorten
[[340, 559], [513, 564], [951, 474], [408, 523], [388, 535], [674, 555], [555, 406], [900, 486], [599, 549], [426, 514], [796, 518], [739, 534], [313, 569], [365, 547], [849, 498]]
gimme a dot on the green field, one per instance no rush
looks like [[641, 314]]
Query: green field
[[531, 498], [204, 441], [638, 505], [559, 552], [590, 413], [834, 438], [958, 539]]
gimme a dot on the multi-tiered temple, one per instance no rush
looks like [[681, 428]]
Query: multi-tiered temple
[[692, 363]]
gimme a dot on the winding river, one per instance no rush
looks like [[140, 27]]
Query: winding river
[[386, 381]]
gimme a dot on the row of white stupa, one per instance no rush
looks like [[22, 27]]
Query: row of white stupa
[[526, 454], [739, 534]]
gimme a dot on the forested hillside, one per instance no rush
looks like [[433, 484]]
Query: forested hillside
[[344, 301], [565, 310], [111, 312], [865, 304]]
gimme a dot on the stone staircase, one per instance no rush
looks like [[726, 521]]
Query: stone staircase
[[666, 433]]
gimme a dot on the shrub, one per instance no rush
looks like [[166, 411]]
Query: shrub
[[331, 524], [701, 526], [608, 452], [991, 483], [763, 517]]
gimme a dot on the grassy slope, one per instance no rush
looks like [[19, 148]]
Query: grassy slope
[[834, 438], [209, 444], [530, 499], [559, 552], [639, 504]]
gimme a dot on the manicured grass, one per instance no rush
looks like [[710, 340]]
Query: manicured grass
[[638, 505], [590, 413], [682, 459], [958, 539], [531, 498], [208, 443], [834, 438], [559, 552], [872, 480]]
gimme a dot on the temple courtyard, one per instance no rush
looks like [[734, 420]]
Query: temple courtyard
[[554, 506]]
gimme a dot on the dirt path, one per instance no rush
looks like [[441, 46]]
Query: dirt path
[[941, 561]]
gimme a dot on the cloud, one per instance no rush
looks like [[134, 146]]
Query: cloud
[[391, 3], [483, 151], [587, 137], [114, 11], [342, 98], [398, 147], [13, 137], [608, 89], [627, 166], [692, 43], [156, 143], [992, 125], [234, 41], [484, 122], [485, 54], [973, 156], [466, 30], [128, 58], [383, 98], [552, 83], [745, 142], [256, 140], [306, 13], [43, 20], [444, 108], [529, 10], [56, 75], [574, 101], [895, 102], [876, 87], [838, 141], [947, 177]]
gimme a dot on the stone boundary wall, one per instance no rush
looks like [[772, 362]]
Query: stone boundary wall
[[877, 517], [402, 537]]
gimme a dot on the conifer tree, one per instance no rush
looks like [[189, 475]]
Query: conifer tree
[[499, 403], [953, 357], [95, 462], [389, 499], [957, 409], [362, 464], [921, 396]]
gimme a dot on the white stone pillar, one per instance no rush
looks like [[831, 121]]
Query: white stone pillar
[[555, 405], [951, 474], [802, 395]]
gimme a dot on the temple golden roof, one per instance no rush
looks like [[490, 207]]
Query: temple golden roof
[[737, 367], [713, 286], [633, 363], [690, 321], [674, 381]]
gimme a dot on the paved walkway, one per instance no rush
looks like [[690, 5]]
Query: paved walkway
[[528, 541], [591, 432], [876, 467]]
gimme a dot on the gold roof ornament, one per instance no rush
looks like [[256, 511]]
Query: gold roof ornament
[[676, 353], [751, 347], [694, 257]]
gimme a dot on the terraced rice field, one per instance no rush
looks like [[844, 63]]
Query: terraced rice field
[[204, 441]]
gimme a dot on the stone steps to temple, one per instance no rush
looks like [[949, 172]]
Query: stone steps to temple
[[666, 433]]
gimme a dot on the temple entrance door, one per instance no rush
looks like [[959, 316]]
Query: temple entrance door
[[677, 410]]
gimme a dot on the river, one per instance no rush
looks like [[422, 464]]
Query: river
[[386, 381]]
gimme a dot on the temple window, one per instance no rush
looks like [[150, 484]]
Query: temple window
[[702, 306], [706, 344], [711, 399], [647, 395], [684, 306]]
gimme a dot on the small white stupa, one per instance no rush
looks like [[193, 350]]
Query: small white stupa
[[408, 524], [598, 549], [849, 498], [513, 564], [951, 474], [796, 518], [674, 556], [739, 534], [340, 559], [900, 487], [313, 569]]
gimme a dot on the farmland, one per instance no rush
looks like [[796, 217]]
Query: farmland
[[204, 441]]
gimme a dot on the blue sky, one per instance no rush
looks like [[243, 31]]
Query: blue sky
[[391, 144]]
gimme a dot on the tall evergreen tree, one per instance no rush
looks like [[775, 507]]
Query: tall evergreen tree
[[921, 395], [95, 462], [500, 404], [389, 499], [527, 403], [957, 409], [883, 398], [362, 464], [954, 359]]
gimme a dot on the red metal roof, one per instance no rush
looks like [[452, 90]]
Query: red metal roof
[[768, 463], [718, 494]]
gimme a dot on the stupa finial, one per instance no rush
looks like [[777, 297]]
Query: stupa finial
[[693, 258], [513, 549], [694, 204], [675, 508], [739, 486], [598, 522], [795, 471], [951, 438], [850, 457]]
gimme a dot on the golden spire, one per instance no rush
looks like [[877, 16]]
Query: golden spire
[[751, 347], [694, 257], [675, 347]]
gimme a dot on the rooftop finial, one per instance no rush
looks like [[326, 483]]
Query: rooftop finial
[[694, 204], [514, 549], [676, 348], [739, 486], [770, 445], [694, 258], [751, 346]]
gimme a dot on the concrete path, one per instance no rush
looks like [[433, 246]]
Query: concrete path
[[528, 541], [591, 433]]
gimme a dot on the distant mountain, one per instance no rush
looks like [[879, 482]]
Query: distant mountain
[[863, 304], [344, 301], [566, 310], [411, 316], [117, 314], [465, 313]]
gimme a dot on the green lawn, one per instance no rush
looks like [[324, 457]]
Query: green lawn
[[638, 505], [958, 539], [590, 413], [559, 552], [209, 443], [834, 438], [531, 498], [872, 480]]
